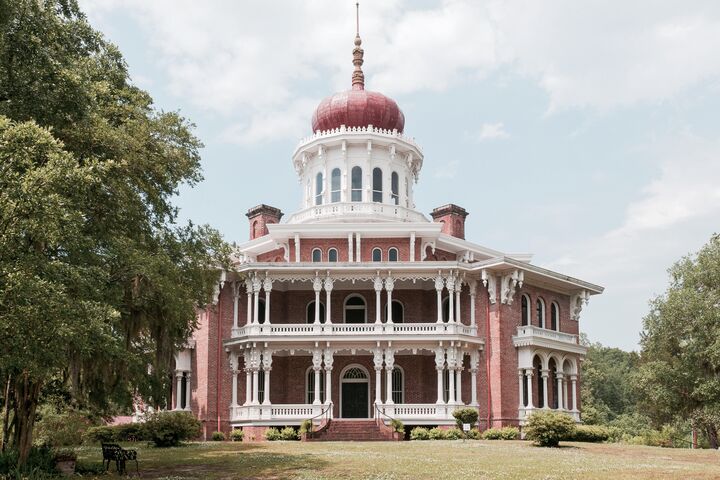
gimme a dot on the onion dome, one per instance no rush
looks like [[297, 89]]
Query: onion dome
[[358, 107]]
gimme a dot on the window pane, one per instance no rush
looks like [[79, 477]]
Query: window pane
[[318, 188], [317, 255], [356, 184], [525, 311], [261, 311], [377, 185], [335, 185], [540, 314], [333, 255], [397, 385], [395, 187], [393, 255], [376, 255]]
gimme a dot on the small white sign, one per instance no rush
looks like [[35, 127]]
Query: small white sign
[[466, 427]]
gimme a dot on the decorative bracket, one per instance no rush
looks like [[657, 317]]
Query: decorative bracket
[[489, 281], [576, 304], [510, 282]]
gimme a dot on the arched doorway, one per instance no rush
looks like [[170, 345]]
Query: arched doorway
[[354, 392]]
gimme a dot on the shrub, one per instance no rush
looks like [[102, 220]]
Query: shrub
[[306, 426], [272, 434], [419, 433], [437, 434], [546, 429], [168, 429], [473, 434], [590, 433], [102, 434], [397, 425], [288, 433], [40, 464], [465, 415], [237, 435], [453, 434], [60, 429], [218, 437], [129, 432], [505, 433]]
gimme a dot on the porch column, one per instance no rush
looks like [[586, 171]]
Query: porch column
[[267, 368], [389, 285], [317, 286], [235, 371], [452, 364], [458, 289], [178, 391], [188, 391], [559, 377], [566, 399], [350, 247], [248, 378], [255, 395], [267, 286], [357, 248], [528, 377], [389, 365], [545, 374], [473, 287], [412, 246], [521, 379], [573, 382], [328, 375], [458, 372], [378, 361], [474, 361], [236, 298], [439, 288], [440, 366], [317, 361], [256, 298], [328, 290], [248, 289], [451, 295], [297, 248], [378, 284]]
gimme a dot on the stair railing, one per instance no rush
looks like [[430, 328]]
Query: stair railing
[[325, 414]]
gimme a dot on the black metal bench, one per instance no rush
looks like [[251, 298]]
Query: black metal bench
[[114, 452]]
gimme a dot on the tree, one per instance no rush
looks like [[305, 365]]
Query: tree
[[97, 281], [680, 373]]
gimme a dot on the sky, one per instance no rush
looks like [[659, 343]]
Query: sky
[[585, 133]]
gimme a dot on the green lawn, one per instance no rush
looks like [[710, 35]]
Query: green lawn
[[411, 460]]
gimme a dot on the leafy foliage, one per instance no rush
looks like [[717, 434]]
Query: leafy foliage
[[465, 415], [397, 425], [590, 433], [454, 434], [437, 434], [505, 433], [237, 435], [419, 433], [60, 429], [168, 429], [272, 434], [218, 437], [547, 428]]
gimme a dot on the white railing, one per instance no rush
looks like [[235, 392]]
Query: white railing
[[296, 413], [359, 209], [354, 329], [343, 130], [529, 331], [524, 412]]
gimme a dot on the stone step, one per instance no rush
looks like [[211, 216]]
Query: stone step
[[353, 430]]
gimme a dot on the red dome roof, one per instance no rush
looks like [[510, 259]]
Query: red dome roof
[[358, 108]]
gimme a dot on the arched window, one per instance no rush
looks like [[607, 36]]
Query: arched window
[[398, 385], [395, 187], [446, 309], [377, 185], [376, 255], [335, 185], [393, 255], [554, 316], [310, 386], [540, 307], [261, 310], [355, 309], [356, 184], [524, 310], [318, 188], [398, 312], [311, 312], [333, 255], [316, 255], [552, 380], [540, 384]]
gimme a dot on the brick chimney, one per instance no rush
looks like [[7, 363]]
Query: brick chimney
[[452, 218], [260, 217]]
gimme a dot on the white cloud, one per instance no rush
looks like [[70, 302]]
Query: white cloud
[[492, 131]]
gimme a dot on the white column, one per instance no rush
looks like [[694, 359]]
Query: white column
[[267, 286], [178, 391], [389, 286], [255, 389], [256, 299], [236, 298], [521, 379], [439, 288], [573, 382], [559, 377], [389, 365], [317, 362], [267, 368], [458, 289], [248, 289], [358, 256], [528, 377], [328, 375], [451, 294], [378, 284], [248, 386], [474, 361], [235, 373], [451, 376], [188, 390], [440, 366], [350, 247], [545, 388], [378, 361], [473, 287], [412, 246], [297, 248], [458, 372], [328, 291], [566, 402], [317, 286]]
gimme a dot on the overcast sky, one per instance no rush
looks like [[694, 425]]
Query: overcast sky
[[586, 133]]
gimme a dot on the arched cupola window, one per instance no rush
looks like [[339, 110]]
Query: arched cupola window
[[377, 185], [393, 255], [524, 310], [333, 255], [376, 255], [319, 189], [395, 188], [554, 316], [317, 255], [356, 184], [540, 307], [335, 185]]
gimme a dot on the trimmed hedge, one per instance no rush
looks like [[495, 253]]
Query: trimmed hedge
[[546, 429], [505, 433], [437, 434], [168, 429], [288, 433], [419, 433], [465, 415], [397, 425], [237, 435], [590, 433], [218, 437]]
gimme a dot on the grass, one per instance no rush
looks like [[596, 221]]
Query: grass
[[418, 460]]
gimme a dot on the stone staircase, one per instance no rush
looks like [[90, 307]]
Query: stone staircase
[[340, 430]]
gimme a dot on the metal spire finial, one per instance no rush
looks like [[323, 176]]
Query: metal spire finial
[[358, 78]]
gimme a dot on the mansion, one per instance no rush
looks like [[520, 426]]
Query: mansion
[[358, 306]]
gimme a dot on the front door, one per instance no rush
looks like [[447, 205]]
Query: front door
[[354, 400]]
